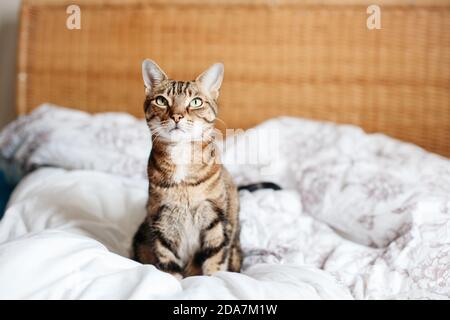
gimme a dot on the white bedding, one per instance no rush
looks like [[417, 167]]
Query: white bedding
[[361, 216]]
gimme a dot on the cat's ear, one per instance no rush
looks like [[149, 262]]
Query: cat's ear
[[152, 75], [211, 79]]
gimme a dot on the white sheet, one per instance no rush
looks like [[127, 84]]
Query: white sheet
[[66, 235], [361, 216]]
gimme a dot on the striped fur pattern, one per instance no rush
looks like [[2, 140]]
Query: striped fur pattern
[[192, 223]]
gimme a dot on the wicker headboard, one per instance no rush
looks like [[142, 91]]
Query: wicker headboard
[[281, 58]]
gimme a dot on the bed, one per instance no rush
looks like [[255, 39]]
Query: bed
[[364, 124]]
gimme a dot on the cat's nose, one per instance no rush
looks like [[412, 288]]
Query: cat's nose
[[177, 117]]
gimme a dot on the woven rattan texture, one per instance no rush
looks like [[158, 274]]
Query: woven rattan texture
[[313, 61]]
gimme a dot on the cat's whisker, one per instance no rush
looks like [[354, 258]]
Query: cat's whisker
[[223, 122], [156, 138], [156, 133], [156, 130], [186, 127]]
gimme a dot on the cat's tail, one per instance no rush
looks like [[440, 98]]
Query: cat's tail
[[260, 185]]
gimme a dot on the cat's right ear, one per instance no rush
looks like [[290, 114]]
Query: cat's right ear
[[152, 75]]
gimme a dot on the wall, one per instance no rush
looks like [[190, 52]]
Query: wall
[[9, 10]]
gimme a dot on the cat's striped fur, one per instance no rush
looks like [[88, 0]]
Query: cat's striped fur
[[192, 225]]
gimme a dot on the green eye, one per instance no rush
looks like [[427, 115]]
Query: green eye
[[196, 103], [161, 101]]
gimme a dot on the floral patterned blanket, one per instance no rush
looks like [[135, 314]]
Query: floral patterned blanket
[[365, 210]]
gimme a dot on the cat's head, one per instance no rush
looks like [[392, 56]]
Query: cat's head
[[181, 110]]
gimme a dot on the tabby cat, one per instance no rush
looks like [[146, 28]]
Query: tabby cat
[[192, 223]]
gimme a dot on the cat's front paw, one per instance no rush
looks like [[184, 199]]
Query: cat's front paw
[[177, 275], [210, 269]]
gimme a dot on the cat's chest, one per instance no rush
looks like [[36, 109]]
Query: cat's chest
[[181, 156], [189, 238]]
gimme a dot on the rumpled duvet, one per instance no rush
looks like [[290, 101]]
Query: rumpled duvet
[[360, 216]]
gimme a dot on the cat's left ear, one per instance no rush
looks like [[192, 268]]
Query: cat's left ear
[[211, 79]]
